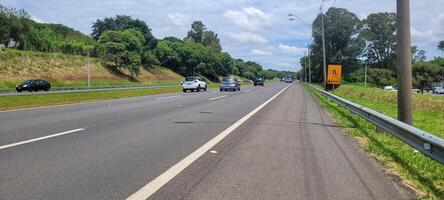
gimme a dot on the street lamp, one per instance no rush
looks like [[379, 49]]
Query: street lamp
[[322, 33]]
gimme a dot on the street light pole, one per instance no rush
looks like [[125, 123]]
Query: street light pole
[[404, 62], [309, 63], [365, 76], [88, 69], [305, 69], [323, 50]]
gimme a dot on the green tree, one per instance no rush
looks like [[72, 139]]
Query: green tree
[[379, 32], [343, 46], [121, 23], [196, 34], [199, 34], [122, 49], [424, 74], [418, 55], [441, 45], [381, 77], [211, 40]]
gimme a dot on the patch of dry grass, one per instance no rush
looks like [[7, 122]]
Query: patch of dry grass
[[71, 70]]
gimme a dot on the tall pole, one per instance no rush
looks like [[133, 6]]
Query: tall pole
[[88, 69], [309, 64], [305, 69], [365, 76], [323, 50], [404, 62]]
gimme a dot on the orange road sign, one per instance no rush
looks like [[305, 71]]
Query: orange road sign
[[334, 74]]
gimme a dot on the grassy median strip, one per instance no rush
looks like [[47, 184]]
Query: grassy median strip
[[418, 172], [28, 101]]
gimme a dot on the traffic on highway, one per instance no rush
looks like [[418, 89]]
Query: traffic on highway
[[221, 100]]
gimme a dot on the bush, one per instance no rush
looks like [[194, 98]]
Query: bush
[[381, 77]]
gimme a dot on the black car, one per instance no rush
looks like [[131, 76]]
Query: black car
[[259, 81], [33, 85], [230, 84]]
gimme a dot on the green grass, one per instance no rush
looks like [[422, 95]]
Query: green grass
[[27, 101], [64, 70], [428, 113], [422, 174]]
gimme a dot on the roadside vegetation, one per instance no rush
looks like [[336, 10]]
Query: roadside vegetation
[[423, 175], [71, 70], [121, 45], [37, 100], [370, 42]]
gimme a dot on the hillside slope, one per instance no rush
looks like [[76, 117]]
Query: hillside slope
[[71, 70]]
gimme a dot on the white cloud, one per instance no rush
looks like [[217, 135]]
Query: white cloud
[[259, 52], [179, 19], [246, 37], [292, 49], [249, 18]]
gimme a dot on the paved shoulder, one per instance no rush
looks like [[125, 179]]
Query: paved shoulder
[[289, 150]]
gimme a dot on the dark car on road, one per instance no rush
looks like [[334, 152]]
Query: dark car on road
[[259, 81], [33, 85], [230, 84]]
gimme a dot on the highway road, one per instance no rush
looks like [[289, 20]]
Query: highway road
[[272, 142]]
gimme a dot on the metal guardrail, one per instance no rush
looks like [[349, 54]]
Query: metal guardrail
[[96, 87], [420, 140]]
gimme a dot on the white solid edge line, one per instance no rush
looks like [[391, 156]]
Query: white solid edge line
[[169, 97], [40, 138], [149, 189], [215, 98]]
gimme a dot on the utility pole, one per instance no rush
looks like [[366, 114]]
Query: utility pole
[[323, 50], [404, 62], [305, 69], [88, 69], [309, 63], [365, 76]]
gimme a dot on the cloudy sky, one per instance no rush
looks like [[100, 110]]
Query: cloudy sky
[[249, 29]]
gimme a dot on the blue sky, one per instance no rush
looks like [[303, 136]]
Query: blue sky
[[249, 29]]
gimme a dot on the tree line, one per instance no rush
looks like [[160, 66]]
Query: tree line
[[125, 43], [355, 43], [18, 31]]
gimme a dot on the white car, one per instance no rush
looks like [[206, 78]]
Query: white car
[[390, 88], [194, 83], [438, 90]]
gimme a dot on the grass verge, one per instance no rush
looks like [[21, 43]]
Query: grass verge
[[423, 175], [28, 101]]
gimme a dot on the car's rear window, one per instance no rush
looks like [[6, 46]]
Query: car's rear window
[[228, 79], [190, 78]]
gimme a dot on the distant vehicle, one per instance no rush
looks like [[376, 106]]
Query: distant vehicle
[[33, 85], [289, 80], [283, 79], [194, 83], [230, 84], [259, 81], [390, 88], [438, 90]]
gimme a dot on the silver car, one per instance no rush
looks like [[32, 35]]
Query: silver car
[[230, 84], [438, 90]]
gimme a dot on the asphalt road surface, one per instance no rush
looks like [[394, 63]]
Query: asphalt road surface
[[286, 149]]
